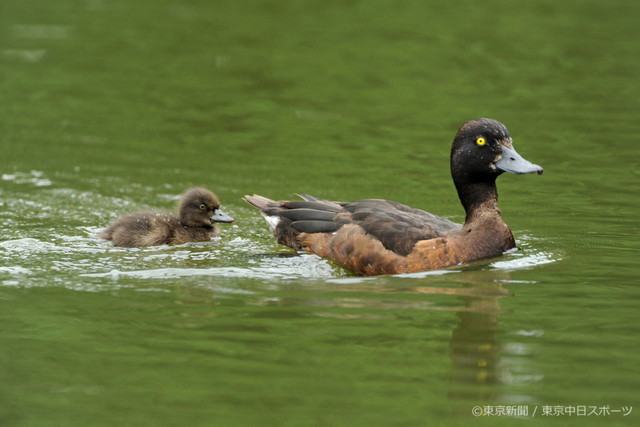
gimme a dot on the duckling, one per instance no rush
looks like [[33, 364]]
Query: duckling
[[198, 210], [376, 236]]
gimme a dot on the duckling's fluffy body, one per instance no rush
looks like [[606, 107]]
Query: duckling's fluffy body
[[376, 236], [198, 209]]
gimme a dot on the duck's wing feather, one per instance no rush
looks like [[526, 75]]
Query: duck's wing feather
[[398, 227]]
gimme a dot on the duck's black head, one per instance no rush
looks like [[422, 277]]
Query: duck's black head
[[199, 207], [482, 149]]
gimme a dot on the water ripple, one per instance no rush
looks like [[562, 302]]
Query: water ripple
[[34, 177], [526, 261]]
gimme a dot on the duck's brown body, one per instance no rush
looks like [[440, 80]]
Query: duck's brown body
[[373, 236], [197, 211], [382, 237]]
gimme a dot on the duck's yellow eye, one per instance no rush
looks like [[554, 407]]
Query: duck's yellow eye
[[202, 207], [481, 141]]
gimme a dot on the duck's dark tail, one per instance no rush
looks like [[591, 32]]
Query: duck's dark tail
[[287, 219]]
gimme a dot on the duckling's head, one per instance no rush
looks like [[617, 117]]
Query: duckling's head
[[482, 149], [199, 207]]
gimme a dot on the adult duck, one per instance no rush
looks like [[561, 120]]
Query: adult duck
[[375, 236], [198, 210]]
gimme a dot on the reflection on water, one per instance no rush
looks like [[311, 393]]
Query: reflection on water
[[483, 358], [487, 364]]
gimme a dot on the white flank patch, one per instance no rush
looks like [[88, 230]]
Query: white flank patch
[[272, 221]]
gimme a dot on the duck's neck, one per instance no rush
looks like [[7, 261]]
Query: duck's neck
[[479, 198]]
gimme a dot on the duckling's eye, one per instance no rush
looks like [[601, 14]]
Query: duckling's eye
[[202, 207], [481, 141]]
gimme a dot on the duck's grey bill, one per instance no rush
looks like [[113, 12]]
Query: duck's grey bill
[[513, 162]]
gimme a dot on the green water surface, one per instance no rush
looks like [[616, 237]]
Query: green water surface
[[111, 106]]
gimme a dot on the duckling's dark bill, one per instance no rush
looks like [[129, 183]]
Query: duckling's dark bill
[[513, 162], [219, 216]]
